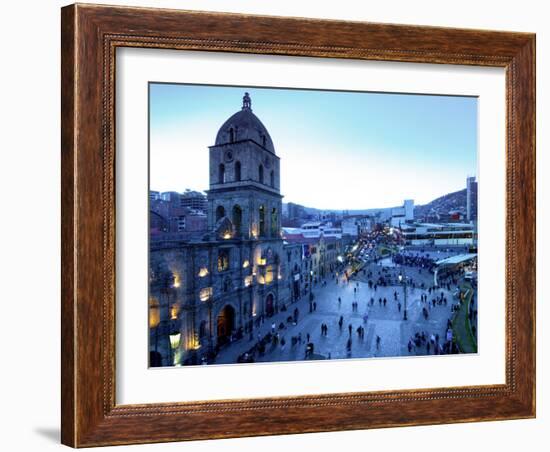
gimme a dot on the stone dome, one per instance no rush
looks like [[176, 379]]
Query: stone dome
[[245, 125]]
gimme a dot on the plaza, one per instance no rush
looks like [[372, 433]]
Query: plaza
[[385, 321], [228, 283]]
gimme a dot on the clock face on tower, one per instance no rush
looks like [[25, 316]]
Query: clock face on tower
[[228, 156]]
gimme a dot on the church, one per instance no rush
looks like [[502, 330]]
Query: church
[[207, 291]]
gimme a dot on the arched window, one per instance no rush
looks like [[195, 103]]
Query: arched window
[[221, 174], [272, 178], [261, 174], [263, 140], [274, 222], [231, 135], [220, 213], [237, 219], [237, 171], [262, 221]]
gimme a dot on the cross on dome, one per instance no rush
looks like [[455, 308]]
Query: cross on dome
[[247, 102]]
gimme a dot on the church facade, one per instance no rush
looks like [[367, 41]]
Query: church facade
[[207, 291]]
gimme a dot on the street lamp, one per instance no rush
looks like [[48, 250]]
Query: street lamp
[[174, 343], [403, 282]]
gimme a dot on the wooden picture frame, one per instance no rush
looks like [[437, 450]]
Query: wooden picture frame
[[90, 36]]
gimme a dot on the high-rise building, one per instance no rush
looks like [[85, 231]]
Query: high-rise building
[[471, 198], [194, 200]]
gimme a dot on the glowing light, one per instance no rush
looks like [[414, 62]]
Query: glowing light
[[254, 231], [174, 311], [247, 281], [203, 272], [205, 294], [175, 340], [177, 281], [340, 259], [246, 263], [262, 261], [261, 279], [154, 313], [227, 235], [268, 275]]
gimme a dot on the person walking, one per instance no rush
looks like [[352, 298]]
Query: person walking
[[350, 328], [378, 341]]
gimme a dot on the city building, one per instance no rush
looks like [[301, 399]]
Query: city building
[[356, 225], [471, 199], [208, 290], [295, 211], [153, 195], [193, 200], [315, 229], [403, 214], [437, 234]]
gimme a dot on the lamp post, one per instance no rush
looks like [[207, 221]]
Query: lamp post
[[174, 344], [403, 282]]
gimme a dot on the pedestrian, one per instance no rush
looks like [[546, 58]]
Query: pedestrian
[[399, 306], [378, 341], [341, 322], [315, 306], [307, 337], [273, 328], [350, 327], [385, 301]]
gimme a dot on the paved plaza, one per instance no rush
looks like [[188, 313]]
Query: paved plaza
[[385, 322]]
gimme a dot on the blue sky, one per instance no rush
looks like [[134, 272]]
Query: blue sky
[[338, 150]]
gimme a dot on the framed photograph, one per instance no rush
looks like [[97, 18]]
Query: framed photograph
[[281, 225]]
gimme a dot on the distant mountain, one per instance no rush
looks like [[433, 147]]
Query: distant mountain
[[451, 202], [455, 201]]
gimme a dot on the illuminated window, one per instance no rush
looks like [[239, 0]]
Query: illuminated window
[[269, 274], [205, 294], [223, 260], [174, 311], [203, 272], [154, 313]]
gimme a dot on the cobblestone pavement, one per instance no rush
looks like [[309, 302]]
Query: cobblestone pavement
[[386, 322]]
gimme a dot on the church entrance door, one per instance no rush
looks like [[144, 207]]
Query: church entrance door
[[226, 324], [269, 308]]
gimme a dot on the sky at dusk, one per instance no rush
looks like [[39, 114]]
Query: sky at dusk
[[339, 150]]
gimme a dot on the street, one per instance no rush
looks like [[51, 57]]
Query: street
[[385, 321]]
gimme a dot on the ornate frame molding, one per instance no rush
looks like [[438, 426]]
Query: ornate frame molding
[[90, 37]]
